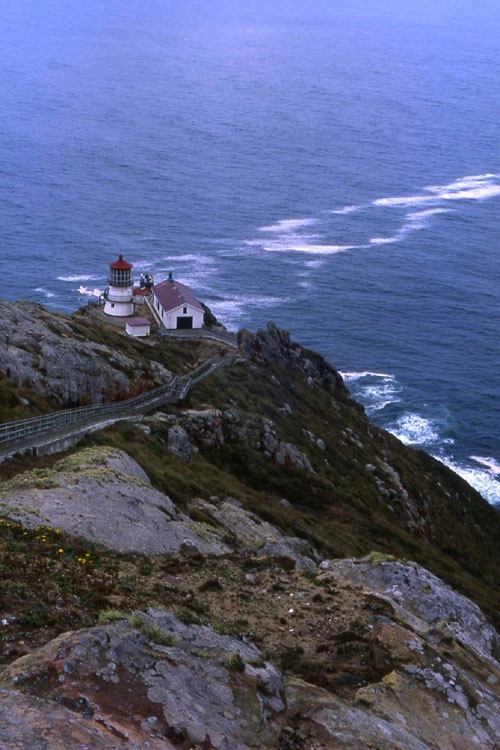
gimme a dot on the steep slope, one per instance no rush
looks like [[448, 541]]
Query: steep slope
[[223, 522]]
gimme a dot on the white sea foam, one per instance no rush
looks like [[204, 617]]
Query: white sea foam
[[383, 240], [350, 376], [386, 388], [483, 480], [320, 249], [83, 277], [288, 225], [380, 405], [47, 293], [402, 202], [230, 311], [470, 181], [490, 463], [89, 292], [346, 210], [375, 390], [412, 429], [477, 193]]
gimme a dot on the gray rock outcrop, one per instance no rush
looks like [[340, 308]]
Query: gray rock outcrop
[[198, 429], [205, 690], [40, 348], [273, 345], [104, 495], [436, 659]]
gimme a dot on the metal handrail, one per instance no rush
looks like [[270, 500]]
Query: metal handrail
[[12, 431], [21, 432]]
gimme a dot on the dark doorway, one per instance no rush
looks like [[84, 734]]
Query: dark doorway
[[186, 322]]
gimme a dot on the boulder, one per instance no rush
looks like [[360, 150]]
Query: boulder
[[152, 679], [104, 495]]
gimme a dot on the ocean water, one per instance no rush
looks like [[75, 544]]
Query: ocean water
[[334, 169]]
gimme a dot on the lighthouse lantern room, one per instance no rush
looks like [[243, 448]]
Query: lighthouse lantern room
[[119, 295]]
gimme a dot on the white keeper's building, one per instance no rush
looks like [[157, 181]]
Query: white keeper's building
[[176, 305]]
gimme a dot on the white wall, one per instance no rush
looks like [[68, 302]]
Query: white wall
[[169, 318]]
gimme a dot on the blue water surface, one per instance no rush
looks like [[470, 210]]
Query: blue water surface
[[335, 169]]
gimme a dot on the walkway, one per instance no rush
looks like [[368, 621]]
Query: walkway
[[58, 430]]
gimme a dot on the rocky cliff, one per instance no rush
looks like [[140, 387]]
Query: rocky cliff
[[261, 568]]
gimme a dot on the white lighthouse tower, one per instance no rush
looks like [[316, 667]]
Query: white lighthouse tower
[[119, 295]]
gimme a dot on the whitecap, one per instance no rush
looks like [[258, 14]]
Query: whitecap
[[302, 244], [490, 463], [48, 294], [383, 240], [409, 200], [89, 292], [143, 265], [287, 225], [418, 215], [346, 210], [352, 375], [83, 277], [192, 258], [471, 181], [472, 187], [321, 249], [420, 219], [478, 193], [484, 481], [412, 429]]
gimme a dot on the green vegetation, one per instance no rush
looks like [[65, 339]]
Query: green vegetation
[[235, 663], [407, 506], [139, 622]]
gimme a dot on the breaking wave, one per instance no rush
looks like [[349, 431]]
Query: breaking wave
[[382, 396], [293, 235], [80, 277]]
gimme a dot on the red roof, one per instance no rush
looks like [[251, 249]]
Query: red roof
[[172, 294], [138, 291], [120, 264]]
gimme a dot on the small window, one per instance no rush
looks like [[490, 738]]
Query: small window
[[112, 304], [184, 310]]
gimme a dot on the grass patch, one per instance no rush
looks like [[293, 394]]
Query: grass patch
[[137, 620], [235, 662]]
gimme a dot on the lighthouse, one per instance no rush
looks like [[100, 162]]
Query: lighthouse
[[119, 294]]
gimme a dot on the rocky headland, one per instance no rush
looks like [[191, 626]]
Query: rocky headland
[[260, 567]]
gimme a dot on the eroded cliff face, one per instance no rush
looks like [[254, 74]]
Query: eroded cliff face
[[275, 345], [43, 350]]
